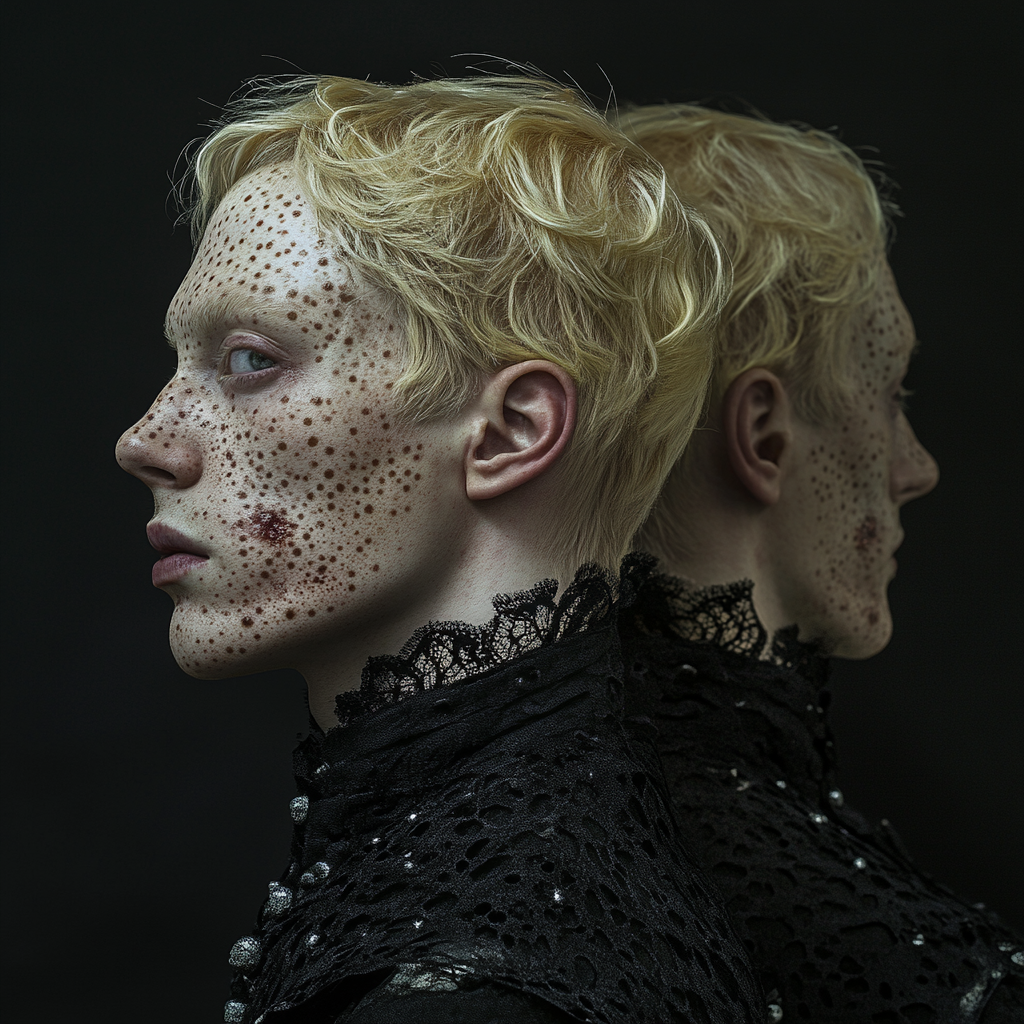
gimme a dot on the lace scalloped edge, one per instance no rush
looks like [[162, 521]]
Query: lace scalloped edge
[[442, 653]]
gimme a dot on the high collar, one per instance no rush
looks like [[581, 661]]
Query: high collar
[[447, 653], [709, 655]]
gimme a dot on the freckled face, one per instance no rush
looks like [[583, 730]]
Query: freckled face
[[274, 449], [850, 479]]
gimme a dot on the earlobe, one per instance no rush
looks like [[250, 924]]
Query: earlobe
[[521, 421], [758, 432]]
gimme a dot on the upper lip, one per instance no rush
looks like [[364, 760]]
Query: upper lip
[[169, 542]]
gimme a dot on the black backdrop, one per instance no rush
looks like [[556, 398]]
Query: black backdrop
[[146, 810]]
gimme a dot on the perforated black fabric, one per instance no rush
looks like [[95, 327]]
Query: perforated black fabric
[[510, 826], [839, 922]]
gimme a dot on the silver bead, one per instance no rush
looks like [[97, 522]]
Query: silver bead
[[835, 797], [245, 952], [1004, 947], [557, 896], [320, 770], [818, 819], [317, 873], [299, 808], [312, 939], [860, 863], [780, 783], [774, 1013], [1018, 958], [234, 1011], [279, 900], [689, 670], [918, 939]]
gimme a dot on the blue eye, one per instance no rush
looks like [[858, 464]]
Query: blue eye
[[248, 360]]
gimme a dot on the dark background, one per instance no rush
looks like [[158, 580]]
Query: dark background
[[147, 811]]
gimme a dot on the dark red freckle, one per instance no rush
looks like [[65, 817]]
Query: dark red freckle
[[387, 426], [352, 379], [348, 341], [265, 575], [387, 353], [352, 430], [293, 315], [312, 441], [328, 451], [292, 293], [406, 450], [247, 622], [873, 618], [296, 213], [290, 614]]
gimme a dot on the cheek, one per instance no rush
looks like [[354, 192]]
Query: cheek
[[325, 510]]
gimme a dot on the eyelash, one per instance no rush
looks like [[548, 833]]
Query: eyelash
[[225, 370]]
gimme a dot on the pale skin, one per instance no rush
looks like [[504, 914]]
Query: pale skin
[[325, 528], [811, 512]]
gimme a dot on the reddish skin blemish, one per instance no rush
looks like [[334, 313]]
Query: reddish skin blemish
[[270, 526], [866, 534]]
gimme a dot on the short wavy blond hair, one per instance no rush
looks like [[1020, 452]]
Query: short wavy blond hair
[[806, 230], [508, 221], [804, 226]]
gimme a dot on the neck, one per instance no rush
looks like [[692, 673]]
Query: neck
[[721, 535], [493, 560]]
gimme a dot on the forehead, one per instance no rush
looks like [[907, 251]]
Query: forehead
[[883, 334], [261, 248]]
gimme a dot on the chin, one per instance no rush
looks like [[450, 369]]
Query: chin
[[223, 660], [867, 636]]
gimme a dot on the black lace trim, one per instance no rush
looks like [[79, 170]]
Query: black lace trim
[[723, 616], [443, 653]]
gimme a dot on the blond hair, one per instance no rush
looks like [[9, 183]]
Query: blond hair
[[804, 226], [508, 221], [806, 230]]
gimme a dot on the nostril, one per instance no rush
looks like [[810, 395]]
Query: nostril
[[153, 476]]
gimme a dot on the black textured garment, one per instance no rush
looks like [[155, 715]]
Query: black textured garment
[[839, 922], [490, 820]]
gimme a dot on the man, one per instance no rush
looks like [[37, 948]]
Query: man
[[782, 518], [440, 343]]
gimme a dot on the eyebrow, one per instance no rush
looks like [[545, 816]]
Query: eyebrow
[[223, 308]]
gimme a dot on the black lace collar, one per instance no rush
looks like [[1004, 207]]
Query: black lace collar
[[706, 646], [723, 616], [446, 653]]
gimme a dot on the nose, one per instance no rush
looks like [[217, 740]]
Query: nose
[[915, 472], [158, 449]]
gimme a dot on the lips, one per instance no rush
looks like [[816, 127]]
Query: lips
[[180, 554]]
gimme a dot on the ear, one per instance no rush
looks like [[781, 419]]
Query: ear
[[758, 428], [522, 419]]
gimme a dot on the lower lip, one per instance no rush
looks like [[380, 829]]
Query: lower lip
[[174, 567]]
